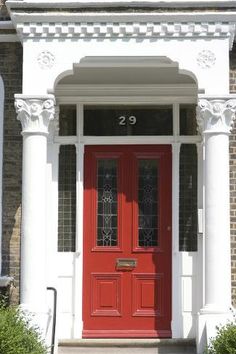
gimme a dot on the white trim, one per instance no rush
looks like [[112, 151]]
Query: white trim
[[176, 120], [201, 249], [70, 91], [137, 100], [197, 16], [66, 140], [178, 329], [176, 284], [1, 160], [78, 281], [132, 140]]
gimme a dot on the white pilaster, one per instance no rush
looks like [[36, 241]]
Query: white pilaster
[[215, 117], [35, 114]]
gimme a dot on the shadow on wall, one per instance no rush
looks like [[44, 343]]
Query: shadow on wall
[[11, 74]]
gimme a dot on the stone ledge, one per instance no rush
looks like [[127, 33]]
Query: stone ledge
[[126, 343]]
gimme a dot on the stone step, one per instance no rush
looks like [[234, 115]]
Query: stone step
[[127, 346]]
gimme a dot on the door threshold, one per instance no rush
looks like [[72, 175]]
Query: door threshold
[[126, 342]]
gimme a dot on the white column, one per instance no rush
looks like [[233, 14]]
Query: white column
[[34, 115], [215, 117]]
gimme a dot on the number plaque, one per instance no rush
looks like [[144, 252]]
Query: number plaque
[[131, 120]]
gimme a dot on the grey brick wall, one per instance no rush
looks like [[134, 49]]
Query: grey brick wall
[[10, 71], [233, 177]]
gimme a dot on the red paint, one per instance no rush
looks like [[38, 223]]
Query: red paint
[[118, 302]]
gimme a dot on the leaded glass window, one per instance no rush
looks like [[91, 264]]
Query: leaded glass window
[[67, 199], [148, 202], [107, 202], [188, 198]]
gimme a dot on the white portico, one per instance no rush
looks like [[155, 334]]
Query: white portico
[[153, 59]]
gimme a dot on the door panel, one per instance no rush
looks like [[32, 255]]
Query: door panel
[[106, 295], [127, 241]]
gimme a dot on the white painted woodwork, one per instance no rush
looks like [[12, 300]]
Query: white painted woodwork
[[215, 118], [34, 115]]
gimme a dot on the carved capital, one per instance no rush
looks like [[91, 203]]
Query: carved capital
[[216, 115], [53, 128], [35, 114]]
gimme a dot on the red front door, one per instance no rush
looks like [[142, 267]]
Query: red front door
[[127, 241]]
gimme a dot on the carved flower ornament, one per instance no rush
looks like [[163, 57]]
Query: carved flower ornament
[[206, 59], [46, 60]]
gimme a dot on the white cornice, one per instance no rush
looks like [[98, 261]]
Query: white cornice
[[122, 16], [123, 3], [125, 29], [40, 22]]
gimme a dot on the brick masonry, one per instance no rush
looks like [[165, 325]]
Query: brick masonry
[[11, 73], [233, 177]]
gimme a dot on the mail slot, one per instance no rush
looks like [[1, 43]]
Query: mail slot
[[126, 263]]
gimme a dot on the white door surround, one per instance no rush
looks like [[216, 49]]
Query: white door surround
[[68, 46]]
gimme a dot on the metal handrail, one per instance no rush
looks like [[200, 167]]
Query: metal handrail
[[54, 317]]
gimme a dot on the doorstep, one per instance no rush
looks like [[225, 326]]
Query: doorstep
[[126, 343]]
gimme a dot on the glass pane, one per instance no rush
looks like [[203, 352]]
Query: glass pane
[[188, 198], [107, 202], [67, 120], [116, 120], [67, 199], [188, 122], [148, 203]]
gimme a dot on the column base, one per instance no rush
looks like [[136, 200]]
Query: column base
[[206, 326]]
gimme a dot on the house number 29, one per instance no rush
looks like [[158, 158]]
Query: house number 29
[[127, 120]]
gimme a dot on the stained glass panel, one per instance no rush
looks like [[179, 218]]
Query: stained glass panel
[[148, 202], [107, 202]]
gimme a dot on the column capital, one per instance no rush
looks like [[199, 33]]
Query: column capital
[[35, 113], [216, 115]]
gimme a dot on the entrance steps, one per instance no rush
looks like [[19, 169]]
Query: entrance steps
[[127, 346]]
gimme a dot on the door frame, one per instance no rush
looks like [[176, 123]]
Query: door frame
[[182, 326]]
